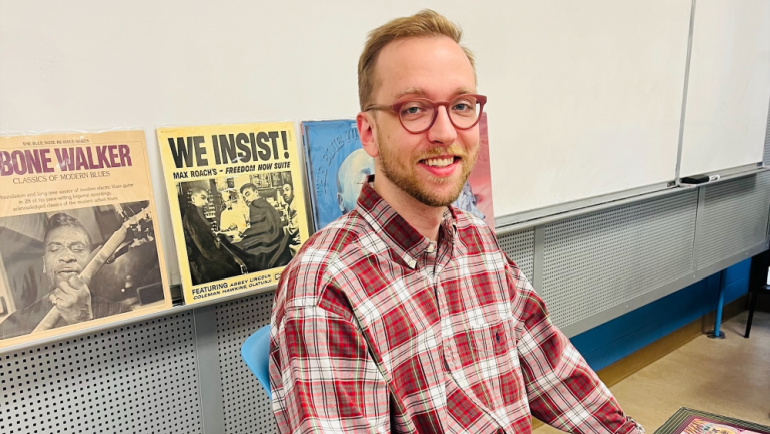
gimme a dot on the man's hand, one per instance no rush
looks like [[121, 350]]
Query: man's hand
[[73, 300]]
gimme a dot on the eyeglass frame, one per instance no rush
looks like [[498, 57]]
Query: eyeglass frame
[[396, 107]]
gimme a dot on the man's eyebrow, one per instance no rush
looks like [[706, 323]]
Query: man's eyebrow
[[60, 243], [464, 91], [412, 91], [418, 92]]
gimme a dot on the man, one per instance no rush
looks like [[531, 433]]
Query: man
[[404, 315], [264, 242], [209, 259], [232, 220], [350, 175], [292, 228], [67, 250]]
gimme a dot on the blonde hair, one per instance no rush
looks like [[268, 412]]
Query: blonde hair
[[425, 23]]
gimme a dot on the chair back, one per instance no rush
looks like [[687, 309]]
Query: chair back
[[256, 353]]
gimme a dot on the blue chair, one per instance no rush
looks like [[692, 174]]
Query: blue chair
[[256, 353]]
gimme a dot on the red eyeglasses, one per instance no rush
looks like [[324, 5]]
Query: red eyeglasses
[[417, 115]]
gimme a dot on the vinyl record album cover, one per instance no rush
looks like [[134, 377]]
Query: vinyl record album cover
[[689, 421], [237, 205], [79, 242]]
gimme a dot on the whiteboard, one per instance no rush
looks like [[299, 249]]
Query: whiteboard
[[728, 86], [584, 97], [594, 91]]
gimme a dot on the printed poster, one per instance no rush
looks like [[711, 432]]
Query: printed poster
[[337, 166], [79, 246], [237, 205]]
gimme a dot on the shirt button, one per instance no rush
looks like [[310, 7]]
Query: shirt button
[[412, 263], [431, 247]]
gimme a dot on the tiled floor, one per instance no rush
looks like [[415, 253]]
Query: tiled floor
[[730, 377]]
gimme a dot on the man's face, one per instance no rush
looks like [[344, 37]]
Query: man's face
[[66, 253], [431, 166], [351, 175], [249, 195], [288, 193], [200, 198]]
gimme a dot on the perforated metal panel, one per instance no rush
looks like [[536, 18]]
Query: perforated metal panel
[[602, 260], [141, 378], [245, 404], [520, 247], [732, 218]]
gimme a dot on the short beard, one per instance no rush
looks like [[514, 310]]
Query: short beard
[[412, 187]]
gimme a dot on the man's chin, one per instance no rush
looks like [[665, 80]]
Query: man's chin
[[433, 198]]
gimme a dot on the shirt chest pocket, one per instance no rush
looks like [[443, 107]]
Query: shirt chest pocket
[[484, 342]]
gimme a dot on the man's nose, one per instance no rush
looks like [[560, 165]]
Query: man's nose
[[442, 131], [67, 255]]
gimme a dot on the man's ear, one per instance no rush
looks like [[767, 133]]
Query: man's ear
[[341, 203], [367, 132]]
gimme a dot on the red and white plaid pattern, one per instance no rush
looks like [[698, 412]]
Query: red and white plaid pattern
[[375, 329]]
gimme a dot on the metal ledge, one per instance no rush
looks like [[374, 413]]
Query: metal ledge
[[728, 175], [178, 307], [609, 202], [518, 222]]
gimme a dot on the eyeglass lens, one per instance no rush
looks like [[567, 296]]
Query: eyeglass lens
[[418, 115]]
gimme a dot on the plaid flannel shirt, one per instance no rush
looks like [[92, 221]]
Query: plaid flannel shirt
[[376, 329]]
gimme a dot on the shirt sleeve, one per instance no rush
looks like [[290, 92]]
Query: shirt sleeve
[[322, 376], [563, 391]]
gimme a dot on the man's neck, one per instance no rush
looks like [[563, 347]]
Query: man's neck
[[424, 218]]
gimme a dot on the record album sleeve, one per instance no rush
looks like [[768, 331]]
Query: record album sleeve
[[689, 421], [79, 243], [237, 205]]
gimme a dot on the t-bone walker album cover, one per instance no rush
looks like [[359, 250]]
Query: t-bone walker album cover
[[79, 244]]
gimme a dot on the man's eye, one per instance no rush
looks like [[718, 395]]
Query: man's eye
[[78, 248], [53, 248], [412, 109], [463, 105]]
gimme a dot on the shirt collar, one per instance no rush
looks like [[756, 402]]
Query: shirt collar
[[397, 233]]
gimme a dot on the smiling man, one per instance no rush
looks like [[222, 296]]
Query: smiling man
[[405, 315]]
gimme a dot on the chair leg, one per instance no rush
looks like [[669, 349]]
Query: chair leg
[[757, 281], [753, 305]]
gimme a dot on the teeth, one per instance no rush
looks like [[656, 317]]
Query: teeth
[[439, 162]]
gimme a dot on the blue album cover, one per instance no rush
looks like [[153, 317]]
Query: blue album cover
[[337, 166]]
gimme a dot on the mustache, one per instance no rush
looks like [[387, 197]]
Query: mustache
[[440, 151]]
